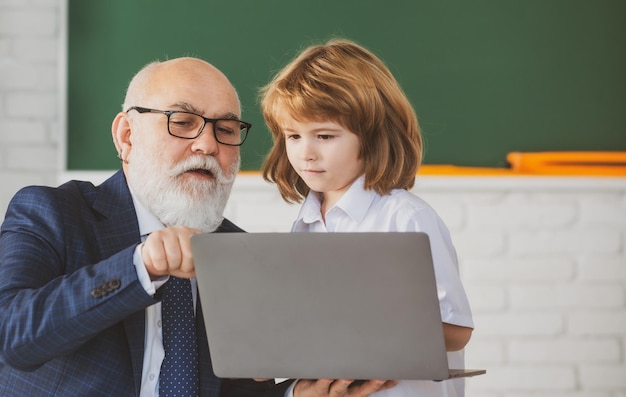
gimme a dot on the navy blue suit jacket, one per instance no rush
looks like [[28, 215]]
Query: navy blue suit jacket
[[71, 306]]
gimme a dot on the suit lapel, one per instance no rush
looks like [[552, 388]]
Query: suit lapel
[[117, 230], [228, 227]]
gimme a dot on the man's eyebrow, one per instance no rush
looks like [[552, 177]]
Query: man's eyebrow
[[187, 107], [230, 116]]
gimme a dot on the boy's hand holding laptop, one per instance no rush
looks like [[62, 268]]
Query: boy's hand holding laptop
[[341, 387]]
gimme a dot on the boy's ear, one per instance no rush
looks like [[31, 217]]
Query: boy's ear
[[121, 131]]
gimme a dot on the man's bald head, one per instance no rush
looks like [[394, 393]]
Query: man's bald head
[[143, 84]]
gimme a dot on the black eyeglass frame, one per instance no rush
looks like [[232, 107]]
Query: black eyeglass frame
[[168, 113]]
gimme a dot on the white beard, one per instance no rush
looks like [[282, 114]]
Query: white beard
[[192, 203]]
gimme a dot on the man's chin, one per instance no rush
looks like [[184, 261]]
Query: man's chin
[[205, 215], [207, 226], [199, 189]]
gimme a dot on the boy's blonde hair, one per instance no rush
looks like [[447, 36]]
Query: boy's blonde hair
[[344, 83]]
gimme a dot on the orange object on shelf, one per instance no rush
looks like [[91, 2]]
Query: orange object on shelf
[[608, 164], [569, 163]]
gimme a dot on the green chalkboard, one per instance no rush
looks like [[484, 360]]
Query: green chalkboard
[[486, 77]]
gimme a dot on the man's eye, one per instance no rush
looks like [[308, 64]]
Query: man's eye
[[184, 120], [224, 131], [227, 127]]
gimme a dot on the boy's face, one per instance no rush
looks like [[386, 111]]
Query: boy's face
[[325, 155]]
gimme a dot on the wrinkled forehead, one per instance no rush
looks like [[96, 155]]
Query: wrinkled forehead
[[190, 81]]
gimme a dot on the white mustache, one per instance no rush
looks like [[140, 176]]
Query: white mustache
[[204, 163]]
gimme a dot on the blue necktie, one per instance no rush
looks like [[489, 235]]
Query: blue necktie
[[179, 371]]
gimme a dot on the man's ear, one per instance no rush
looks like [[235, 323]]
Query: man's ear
[[121, 131]]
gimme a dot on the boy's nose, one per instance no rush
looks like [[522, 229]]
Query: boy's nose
[[308, 151]]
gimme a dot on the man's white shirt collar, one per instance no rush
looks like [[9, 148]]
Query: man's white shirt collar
[[148, 222]]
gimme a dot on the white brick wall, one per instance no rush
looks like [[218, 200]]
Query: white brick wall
[[30, 93], [543, 259], [544, 264]]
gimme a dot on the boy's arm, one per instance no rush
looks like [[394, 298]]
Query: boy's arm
[[456, 336]]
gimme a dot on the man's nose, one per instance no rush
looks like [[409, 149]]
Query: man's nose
[[206, 142]]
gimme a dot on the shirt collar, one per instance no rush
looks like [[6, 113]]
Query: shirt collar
[[356, 200], [148, 222], [354, 203]]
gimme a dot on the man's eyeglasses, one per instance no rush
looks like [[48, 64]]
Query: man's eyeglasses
[[189, 125]]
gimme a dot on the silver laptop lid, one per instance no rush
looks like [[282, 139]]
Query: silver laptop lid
[[320, 305]]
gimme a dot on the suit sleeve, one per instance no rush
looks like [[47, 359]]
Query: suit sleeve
[[56, 293]]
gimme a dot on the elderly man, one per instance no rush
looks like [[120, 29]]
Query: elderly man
[[86, 271]]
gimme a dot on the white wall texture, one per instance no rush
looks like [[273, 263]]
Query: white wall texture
[[543, 259]]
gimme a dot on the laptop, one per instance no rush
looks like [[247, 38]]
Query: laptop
[[321, 305]]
